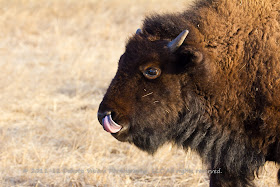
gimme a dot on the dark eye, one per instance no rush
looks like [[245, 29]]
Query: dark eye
[[152, 72]]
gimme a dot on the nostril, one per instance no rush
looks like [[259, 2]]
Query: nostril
[[113, 115], [101, 115]]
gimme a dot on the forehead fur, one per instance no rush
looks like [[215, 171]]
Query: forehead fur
[[138, 42], [141, 50]]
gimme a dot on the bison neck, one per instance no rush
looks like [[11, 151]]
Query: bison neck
[[219, 147]]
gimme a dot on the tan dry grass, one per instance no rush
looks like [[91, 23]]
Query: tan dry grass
[[57, 58]]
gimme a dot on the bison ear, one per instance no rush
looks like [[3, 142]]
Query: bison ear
[[190, 57], [196, 63]]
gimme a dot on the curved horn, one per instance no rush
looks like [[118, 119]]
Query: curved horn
[[139, 31], [177, 42]]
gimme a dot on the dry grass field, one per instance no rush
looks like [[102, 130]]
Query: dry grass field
[[57, 58]]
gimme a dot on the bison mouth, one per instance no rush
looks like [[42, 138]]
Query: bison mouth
[[110, 125], [118, 127]]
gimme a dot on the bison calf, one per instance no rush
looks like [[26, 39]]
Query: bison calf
[[208, 79]]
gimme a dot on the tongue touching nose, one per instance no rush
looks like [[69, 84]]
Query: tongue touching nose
[[109, 125]]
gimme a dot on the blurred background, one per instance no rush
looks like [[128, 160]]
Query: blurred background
[[57, 58]]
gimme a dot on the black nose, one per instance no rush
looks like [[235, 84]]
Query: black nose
[[101, 115]]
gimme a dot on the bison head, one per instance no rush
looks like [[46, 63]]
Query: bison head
[[154, 91]]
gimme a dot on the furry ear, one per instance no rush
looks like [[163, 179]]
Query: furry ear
[[190, 57], [196, 63]]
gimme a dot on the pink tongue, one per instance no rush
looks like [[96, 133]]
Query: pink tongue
[[110, 126]]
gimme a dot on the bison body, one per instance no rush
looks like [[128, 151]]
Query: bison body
[[216, 90]]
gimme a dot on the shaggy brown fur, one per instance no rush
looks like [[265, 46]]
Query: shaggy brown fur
[[225, 106]]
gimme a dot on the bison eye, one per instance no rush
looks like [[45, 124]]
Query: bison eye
[[152, 72]]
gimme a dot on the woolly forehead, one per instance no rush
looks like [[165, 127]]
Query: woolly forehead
[[140, 50]]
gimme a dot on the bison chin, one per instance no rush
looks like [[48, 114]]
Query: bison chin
[[148, 140]]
